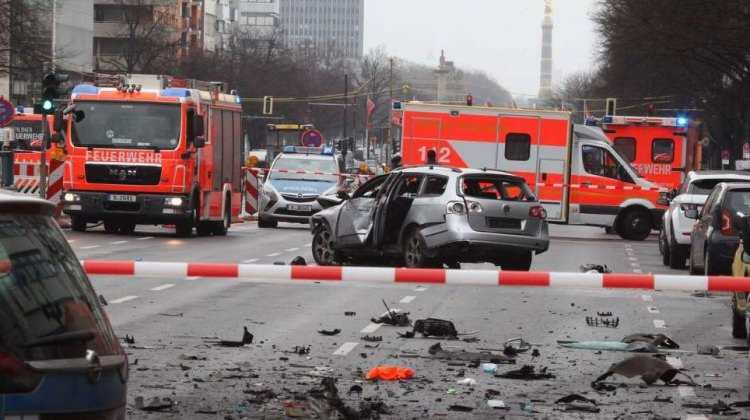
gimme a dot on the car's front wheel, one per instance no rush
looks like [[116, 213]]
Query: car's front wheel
[[78, 223], [415, 251], [323, 249]]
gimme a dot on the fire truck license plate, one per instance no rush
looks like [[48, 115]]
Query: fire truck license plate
[[121, 197], [298, 207]]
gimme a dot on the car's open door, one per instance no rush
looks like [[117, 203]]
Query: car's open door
[[355, 220]]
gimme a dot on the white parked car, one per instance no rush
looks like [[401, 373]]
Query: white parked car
[[674, 238]]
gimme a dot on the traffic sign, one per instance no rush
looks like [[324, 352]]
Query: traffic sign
[[6, 112], [311, 138]]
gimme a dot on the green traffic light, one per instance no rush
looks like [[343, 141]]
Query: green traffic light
[[47, 105]]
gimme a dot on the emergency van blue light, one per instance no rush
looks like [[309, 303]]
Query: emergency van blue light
[[290, 149], [178, 92], [607, 119], [86, 89], [591, 121], [682, 121], [327, 151], [19, 109], [237, 99]]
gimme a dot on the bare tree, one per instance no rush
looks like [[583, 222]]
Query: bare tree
[[145, 37], [25, 37]]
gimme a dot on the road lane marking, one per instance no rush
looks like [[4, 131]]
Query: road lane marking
[[274, 254], [371, 328], [686, 391], [652, 310], [345, 349], [250, 261], [647, 298], [144, 238], [123, 299], [696, 417], [675, 362], [291, 249], [162, 287], [118, 242], [659, 323], [407, 299], [90, 247]]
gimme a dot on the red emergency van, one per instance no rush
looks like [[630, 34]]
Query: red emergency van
[[576, 173], [655, 146]]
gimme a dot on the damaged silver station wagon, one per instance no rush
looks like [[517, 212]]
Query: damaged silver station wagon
[[431, 216]]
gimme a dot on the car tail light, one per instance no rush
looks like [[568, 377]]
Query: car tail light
[[726, 223], [456, 207], [538, 212], [15, 376]]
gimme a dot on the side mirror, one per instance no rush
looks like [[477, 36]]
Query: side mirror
[[691, 213], [78, 116], [198, 126], [199, 142], [342, 195]]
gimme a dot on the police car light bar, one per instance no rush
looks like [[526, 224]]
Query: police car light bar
[[324, 150], [664, 122]]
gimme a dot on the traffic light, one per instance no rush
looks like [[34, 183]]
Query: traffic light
[[611, 106], [267, 105], [50, 92]]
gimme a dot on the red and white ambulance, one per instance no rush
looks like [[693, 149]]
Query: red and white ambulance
[[577, 174], [655, 146]]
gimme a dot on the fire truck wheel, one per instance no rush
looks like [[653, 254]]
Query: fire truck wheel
[[204, 229], [221, 228], [635, 225], [78, 223], [111, 227], [184, 229]]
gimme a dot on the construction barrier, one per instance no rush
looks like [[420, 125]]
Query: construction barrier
[[385, 275], [251, 192], [26, 177], [55, 183]]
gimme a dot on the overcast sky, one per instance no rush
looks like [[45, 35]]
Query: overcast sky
[[501, 37]]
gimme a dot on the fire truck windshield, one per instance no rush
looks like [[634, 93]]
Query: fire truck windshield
[[127, 125]]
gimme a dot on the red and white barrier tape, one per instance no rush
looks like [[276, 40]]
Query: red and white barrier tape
[[604, 187], [384, 275], [287, 171]]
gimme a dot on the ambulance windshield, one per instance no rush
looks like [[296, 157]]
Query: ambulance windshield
[[128, 125]]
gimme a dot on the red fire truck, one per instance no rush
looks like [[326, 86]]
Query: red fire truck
[[657, 147], [575, 172], [159, 151]]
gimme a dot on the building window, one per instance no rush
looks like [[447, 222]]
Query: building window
[[662, 151], [626, 147], [107, 13], [517, 146]]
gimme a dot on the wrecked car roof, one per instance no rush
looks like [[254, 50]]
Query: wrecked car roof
[[453, 169]]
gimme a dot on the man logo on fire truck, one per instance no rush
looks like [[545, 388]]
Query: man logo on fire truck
[[577, 174], [159, 151]]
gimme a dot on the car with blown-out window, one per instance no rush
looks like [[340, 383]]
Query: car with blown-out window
[[431, 216]]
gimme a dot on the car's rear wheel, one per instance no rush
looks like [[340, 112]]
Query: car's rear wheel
[[323, 249], [710, 268], [518, 261], [739, 327], [111, 227], [126, 228], [677, 256], [691, 266], [78, 223], [414, 251], [635, 225]]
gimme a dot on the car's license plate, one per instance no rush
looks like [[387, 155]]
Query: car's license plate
[[122, 197], [299, 207]]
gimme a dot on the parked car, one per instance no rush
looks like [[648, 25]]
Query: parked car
[[741, 268], [59, 357], [674, 237], [433, 216], [714, 238]]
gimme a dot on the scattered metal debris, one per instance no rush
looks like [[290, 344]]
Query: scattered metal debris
[[355, 389], [437, 351], [329, 332], [190, 357], [432, 327], [595, 268], [300, 350], [177, 314], [535, 353], [604, 314], [350, 313], [709, 349], [603, 322], [128, 339], [461, 408], [260, 396], [649, 368], [496, 404], [659, 340], [156, 404], [372, 338], [514, 346], [526, 373], [575, 402], [393, 317], [328, 395]]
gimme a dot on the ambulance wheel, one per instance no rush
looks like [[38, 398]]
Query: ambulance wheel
[[126, 228], [635, 225], [78, 223], [111, 227]]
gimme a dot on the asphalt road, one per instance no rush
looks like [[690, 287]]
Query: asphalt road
[[174, 321]]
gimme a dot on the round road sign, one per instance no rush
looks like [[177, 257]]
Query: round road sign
[[311, 138], [6, 112]]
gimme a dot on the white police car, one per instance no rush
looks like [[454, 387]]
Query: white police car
[[297, 177]]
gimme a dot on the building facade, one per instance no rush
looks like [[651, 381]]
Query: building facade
[[332, 26], [259, 17]]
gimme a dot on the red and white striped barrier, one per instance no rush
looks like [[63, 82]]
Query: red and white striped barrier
[[26, 177], [55, 183], [384, 275], [250, 194]]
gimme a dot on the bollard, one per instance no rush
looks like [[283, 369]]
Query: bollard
[[6, 169]]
